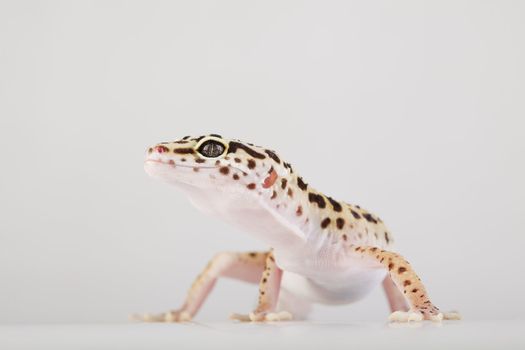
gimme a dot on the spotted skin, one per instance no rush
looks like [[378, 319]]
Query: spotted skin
[[403, 276], [269, 288], [311, 234]]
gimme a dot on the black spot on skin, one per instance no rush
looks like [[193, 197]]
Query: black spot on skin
[[224, 170], [150, 150], [200, 160], [235, 177], [415, 290], [369, 218], [234, 146], [274, 194], [215, 135], [299, 211], [355, 214], [340, 222], [253, 254], [301, 184], [251, 164], [325, 222], [390, 266], [290, 193], [272, 155], [251, 186], [401, 270], [264, 280], [345, 237], [407, 283], [237, 160], [283, 183], [335, 204], [317, 198], [184, 150], [387, 238], [288, 166]]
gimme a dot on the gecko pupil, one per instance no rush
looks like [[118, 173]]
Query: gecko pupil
[[211, 149]]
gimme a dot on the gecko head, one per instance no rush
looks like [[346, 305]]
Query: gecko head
[[212, 161]]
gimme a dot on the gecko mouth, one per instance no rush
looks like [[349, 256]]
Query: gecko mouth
[[172, 164], [194, 166]]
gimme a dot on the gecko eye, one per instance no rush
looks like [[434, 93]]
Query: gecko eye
[[211, 149]]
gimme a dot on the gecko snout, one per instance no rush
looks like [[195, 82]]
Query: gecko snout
[[158, 149], [161, 149]]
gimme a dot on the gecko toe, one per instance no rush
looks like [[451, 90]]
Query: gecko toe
[[279, 316], [240, 317], [452, 315], [436, 318]]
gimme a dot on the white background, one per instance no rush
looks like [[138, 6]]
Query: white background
[[411, 109]]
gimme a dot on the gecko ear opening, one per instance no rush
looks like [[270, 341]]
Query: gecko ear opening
[[270, 180]]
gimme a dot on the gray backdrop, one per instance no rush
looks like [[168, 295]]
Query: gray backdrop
[[411, 109]]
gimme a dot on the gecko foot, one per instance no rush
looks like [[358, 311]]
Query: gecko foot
[[263, 317], [417, 316], [171, 316], [402, 316]]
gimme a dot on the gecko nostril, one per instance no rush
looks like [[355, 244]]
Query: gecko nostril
[[161, 149]]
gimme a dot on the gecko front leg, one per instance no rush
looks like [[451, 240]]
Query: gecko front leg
[[269, 288], [242, 266], [407, 282]]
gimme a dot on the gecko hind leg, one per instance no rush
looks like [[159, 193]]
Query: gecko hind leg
[[299, 307], [407, 282], [242, 266], [395, 298]]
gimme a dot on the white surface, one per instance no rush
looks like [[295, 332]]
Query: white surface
[[412, 109], [462, 335]]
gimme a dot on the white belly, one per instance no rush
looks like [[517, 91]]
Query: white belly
[[324, 272], [350, 288]]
